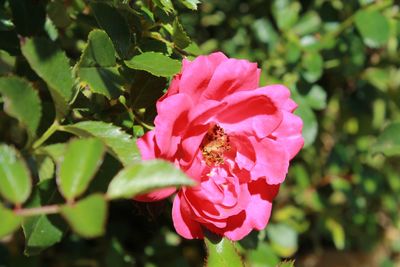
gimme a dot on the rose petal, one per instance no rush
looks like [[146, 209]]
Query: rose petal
[[171, 121], [230, 76], [183, 223], [289, 133], [272, 161], [156, 195]]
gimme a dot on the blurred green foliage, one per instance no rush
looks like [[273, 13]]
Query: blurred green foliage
[[94, 69], [341, 60]]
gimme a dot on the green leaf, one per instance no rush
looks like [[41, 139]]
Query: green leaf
[[380, 78], [337, 232], [308, 23], [9, 222], [263, 256], [81, 160], [57, 12], [155, 63], [22, 102], [221, 252], [88, 216], [45, 167], [373, 27], [191, 4], [283, 239], [120, 144], [312, 64], [165, 5], [310, 127], [15, 180], [105, 81], [145, 177], [52, 65], [55, 151], [179, 36], [316, 98], [115, 25], [41, 231], [99, 51], [388, 142], [286, 13]]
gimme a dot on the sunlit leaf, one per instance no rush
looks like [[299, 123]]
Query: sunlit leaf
[[88, 216], [81, 160], [15, 181], [144, 177]]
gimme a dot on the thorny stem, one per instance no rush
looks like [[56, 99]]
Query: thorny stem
[[50, 131]]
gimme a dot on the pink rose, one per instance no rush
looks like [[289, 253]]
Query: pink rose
[[234, 138]]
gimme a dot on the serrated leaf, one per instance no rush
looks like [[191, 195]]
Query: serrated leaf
[[9, 222], [52, 65], [388, 142], [221, 252], [191, 4], [15, 180], [119, 143], [165, 5], [22, 102], [81, 160], [179, 36], [115, 25], [155, 63], [41, 231], [145, 177], [105, 81], [88, 216], [373, 27]]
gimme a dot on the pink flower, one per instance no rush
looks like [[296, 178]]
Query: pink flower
[[234, 138]]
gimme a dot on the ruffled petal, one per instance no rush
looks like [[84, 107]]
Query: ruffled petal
[[171, 121], [196, 74], [183, 223], [272, 162], [289, 133], [231, 76], [250, 113]]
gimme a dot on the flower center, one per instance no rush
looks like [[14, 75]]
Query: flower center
[[214, 145]]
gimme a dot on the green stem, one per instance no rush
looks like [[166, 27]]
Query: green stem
[[53, 209], [135, 117], [49, 132], [141, 122]]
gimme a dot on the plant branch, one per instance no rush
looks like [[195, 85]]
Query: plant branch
[[52, 209], [49, 132]]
